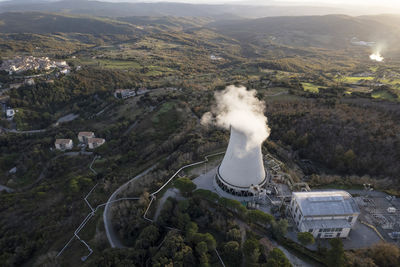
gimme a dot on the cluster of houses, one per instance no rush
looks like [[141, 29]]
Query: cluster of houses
[[85, 138], [24, 63]]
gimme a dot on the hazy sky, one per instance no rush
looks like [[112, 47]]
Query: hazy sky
[[361, 3]]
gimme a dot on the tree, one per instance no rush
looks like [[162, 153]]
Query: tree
[[335, 256], [210, 241], [279, 229], [385, 254], [231, 252], [185, 185], [276, 258], [251, 251], [191, 228], [305, 238], [201, 247], [174, 251], [147, 237], [258, 216], [234, 234]]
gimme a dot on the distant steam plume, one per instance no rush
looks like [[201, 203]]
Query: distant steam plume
[[376, 56], [241, 109]]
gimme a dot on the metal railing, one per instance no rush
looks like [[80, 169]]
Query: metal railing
[[153, 196]]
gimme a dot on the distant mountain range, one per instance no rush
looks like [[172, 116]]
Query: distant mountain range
[[36, 22], [324, 29], [330, 31], [111, 9]]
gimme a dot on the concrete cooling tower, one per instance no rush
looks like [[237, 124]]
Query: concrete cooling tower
[[241, 169]]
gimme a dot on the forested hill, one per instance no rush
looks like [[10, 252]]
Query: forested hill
[[36, 22], [336, 30]]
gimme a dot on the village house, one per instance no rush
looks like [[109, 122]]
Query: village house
[[29, 81], [64, 144], [84, 136], [124, 93], [95, 142], [10, 113]]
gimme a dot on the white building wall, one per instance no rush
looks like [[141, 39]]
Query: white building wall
[[299, 222]]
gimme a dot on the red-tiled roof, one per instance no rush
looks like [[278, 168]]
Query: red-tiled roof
[[62, 141], [86, 133]]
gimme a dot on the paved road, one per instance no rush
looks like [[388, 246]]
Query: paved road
[[22, 132], [112, 237], [130, 128], [171, 192], [281, 93], [67, 118], [5, 188]]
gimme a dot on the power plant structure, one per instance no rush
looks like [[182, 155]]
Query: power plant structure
[[241, 172]]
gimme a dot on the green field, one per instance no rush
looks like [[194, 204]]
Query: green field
[[394, 82], [382, 95], [349, 79], [309, 87], [107, 63]]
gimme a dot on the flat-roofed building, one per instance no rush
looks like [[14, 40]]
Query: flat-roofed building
[[324, 214], [95, 142], [124, 93], [84, 136], [64, 144]]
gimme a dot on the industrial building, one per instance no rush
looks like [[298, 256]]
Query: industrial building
[[241, 172], [325, 214]]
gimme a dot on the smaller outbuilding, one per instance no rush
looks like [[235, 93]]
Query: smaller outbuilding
[[10, 113], [95, 142], [64, 144]]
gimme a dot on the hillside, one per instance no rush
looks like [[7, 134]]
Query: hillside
[[35, 22], [333, 113], [323, 31]]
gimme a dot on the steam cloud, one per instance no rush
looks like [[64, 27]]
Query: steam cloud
[[376, 57], [241, 109]]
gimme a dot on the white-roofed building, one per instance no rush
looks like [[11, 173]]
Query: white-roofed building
[[10, 113], [325, 214]]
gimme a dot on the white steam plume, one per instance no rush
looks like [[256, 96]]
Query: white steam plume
[[241, 109], [376, 55]]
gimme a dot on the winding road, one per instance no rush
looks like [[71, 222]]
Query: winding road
[[112, 236], [22, 132], [5, 188]]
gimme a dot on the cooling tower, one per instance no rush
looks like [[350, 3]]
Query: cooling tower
[[241, 167]]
